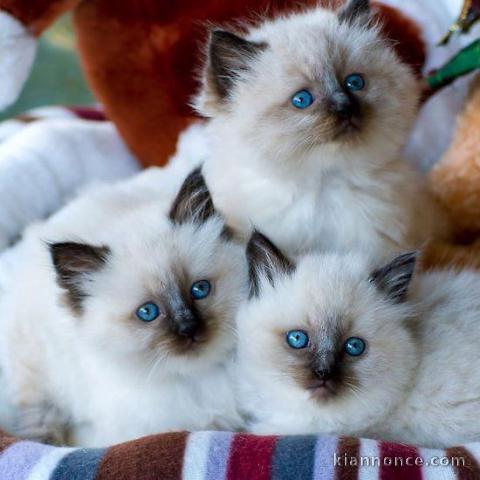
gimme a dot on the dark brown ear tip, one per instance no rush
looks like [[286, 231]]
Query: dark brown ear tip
[[265, 259], [196, 177], [257, 237], [394, 278], [408, 258], [57, 249], [259, 241], [218, 34], [193, 202], [72, 261], [229, 56], [354, 9]]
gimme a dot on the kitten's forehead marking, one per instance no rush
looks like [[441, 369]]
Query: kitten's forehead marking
[[327, 334]]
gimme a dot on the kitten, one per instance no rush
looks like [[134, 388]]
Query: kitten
[[308, 115], [328, 346], [124, 327]]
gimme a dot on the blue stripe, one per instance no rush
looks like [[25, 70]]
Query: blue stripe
[[218, 455], [82, 464], [294, 458]]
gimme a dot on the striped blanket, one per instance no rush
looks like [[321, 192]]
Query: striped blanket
[[228, 456]]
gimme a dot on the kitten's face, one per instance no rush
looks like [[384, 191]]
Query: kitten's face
[[308, 81], [165, 294], [327, 339]]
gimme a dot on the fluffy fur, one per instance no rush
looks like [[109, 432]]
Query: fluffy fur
[[310, 178], [77, 365], [417, 381]]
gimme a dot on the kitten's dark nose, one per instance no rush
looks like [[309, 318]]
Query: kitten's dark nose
[[187, 329], [323, 373], [185, 324], [343, 105]]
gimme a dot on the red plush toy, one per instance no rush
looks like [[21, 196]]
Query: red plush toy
[[140, 56]]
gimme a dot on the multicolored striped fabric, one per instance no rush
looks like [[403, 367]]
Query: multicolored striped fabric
[[229, 456]]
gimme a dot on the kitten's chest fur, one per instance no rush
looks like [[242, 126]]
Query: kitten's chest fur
[[330, 211], [122, 405]]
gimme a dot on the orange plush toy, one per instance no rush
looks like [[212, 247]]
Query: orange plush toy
[[455, 180], [140, 55], [456, 177]]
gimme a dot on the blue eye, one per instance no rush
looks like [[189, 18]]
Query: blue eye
[[354, 346], [302, 99], [355, 82], [148, 312], [201, 289], [297, 339]]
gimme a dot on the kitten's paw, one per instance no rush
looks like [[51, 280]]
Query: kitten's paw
[[42, 423]]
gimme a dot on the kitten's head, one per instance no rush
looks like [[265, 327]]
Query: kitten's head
[[164, 290], [315, 80], [329, 336]]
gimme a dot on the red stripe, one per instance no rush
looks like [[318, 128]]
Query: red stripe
[[88, 113], [397, 462], [251, 458]]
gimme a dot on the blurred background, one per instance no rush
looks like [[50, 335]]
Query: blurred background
[[56, 77]]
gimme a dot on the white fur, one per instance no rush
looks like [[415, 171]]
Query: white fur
[[44, 165], [268, 168], [17, 53], [93, 370], [418, 382]]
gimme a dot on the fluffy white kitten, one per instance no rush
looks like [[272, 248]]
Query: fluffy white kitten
[[309, 113], [330, 346], [118, 319]]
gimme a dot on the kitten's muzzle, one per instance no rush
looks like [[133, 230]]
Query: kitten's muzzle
[[322, 388], [325, 376]]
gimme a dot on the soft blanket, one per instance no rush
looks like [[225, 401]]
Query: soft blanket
[[229, 456], [47, 155]]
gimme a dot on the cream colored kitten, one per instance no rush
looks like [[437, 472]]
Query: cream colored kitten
[[118, 319], [308, 116], [328, 346]]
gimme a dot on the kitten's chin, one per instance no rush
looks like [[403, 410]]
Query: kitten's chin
[[350, 127], [191, 345], [323, 390], [200, 354]]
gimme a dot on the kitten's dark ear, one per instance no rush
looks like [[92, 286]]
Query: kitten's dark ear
[[354, 10], [265, 260], [73, 262], [194, 202], [228, 55], [394, 279]]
